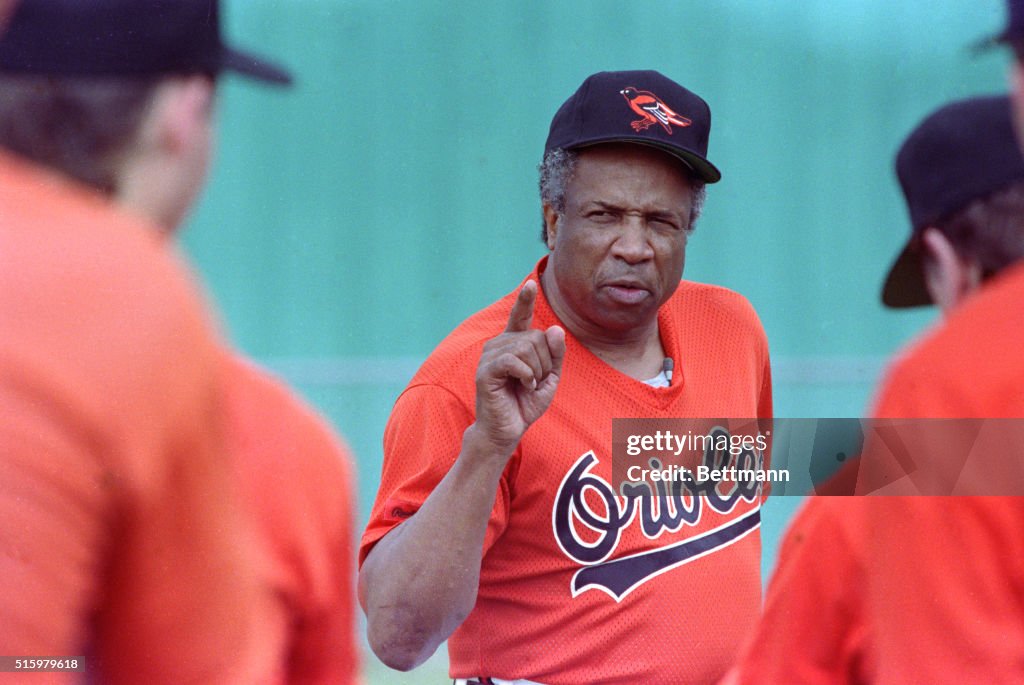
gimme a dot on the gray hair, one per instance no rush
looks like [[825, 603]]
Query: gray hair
[[557, 169], [81, 127]]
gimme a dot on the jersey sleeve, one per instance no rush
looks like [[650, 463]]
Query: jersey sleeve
[[421, 442], [812, 630]]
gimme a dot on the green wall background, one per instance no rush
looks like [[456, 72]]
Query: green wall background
[[352, 221]]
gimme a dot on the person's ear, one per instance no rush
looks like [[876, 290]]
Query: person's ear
[[948, 276], [551, 219], [181, 113], [6, 7], [1017, 99]]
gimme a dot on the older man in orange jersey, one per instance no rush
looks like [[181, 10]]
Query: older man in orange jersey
[[497, 525]]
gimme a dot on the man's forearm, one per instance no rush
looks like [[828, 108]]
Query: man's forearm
[[420, 581]]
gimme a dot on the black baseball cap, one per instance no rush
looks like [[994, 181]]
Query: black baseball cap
[[962, 152], [124, 38], [641, 107]]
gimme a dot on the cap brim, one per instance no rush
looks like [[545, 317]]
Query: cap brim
[[704, 169], [983, 45], [905, 286], [249, 65], [996, 40]]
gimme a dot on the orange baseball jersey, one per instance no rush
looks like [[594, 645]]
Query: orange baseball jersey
[[119, 532], [813, 631], [911, 589], [296, 480], [946, 597], [578, 584]]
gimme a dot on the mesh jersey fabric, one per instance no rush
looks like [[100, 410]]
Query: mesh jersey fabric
[[680, 625]]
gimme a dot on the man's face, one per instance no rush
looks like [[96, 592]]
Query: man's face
[[618, 250]]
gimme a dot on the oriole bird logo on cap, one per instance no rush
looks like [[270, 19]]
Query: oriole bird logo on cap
[[652, 110]]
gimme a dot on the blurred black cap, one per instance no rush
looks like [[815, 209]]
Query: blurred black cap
[[963, 151], [1012, 33], [124, 38]]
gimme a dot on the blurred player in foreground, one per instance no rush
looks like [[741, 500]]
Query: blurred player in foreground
[[870, 589], [944, 616], [117, 97], [495, 524], [118, 532], [970, 367]]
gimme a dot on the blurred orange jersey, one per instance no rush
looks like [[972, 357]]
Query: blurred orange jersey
[[579, 584], [946, 598], [296, 478], [911, 589], [119, 536], [813, 631]]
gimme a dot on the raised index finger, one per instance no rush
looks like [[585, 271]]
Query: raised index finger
[[521, 316]]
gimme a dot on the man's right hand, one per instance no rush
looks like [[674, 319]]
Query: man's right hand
[[517, 375], [420, 582]]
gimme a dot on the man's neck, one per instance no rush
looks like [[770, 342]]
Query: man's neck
[[642, 361], [139, 192]]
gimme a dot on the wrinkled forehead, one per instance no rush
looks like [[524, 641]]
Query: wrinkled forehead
[[630, 175]]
